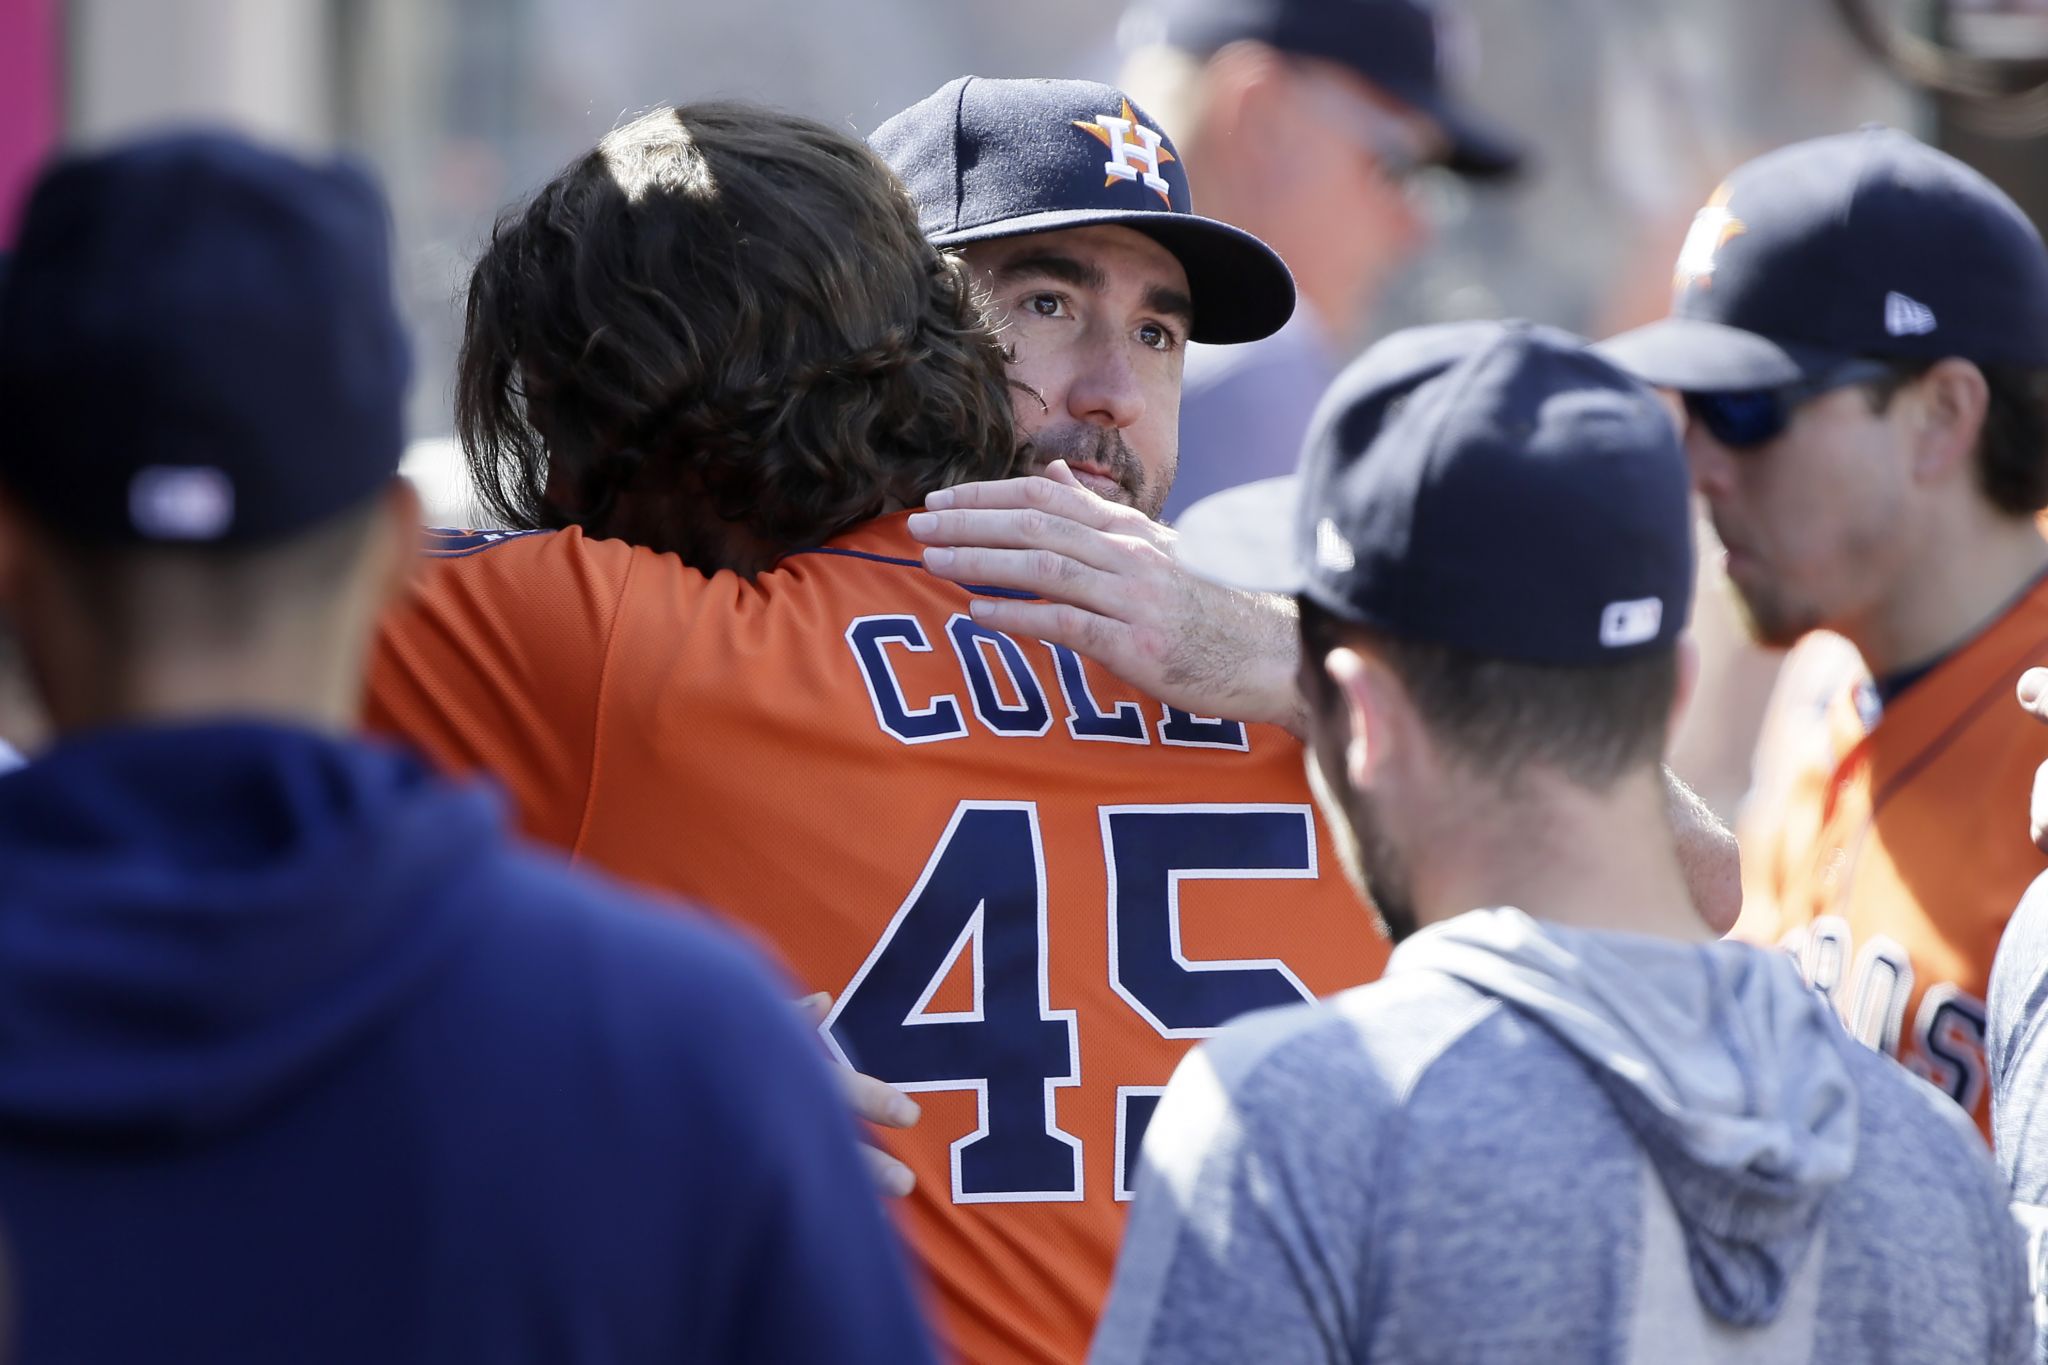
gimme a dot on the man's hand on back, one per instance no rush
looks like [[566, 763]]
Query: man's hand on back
[[877, 1102], [1113, 592]]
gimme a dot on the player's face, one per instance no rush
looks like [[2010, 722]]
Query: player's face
[[1096, 319], [1812, 521]]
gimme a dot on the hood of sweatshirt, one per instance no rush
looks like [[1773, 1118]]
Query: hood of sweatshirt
[[1724, 1063], [194, 919]]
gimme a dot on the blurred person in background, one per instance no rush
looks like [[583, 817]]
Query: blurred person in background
[[301, 1057], [1860, 337], [1566, 1124], [1307, 118]]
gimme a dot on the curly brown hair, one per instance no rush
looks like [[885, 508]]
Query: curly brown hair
[[723, 317]]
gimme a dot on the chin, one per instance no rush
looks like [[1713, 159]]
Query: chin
[[1771, 622]]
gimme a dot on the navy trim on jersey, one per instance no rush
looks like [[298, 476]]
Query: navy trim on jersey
[[983, 589], [443, 542]]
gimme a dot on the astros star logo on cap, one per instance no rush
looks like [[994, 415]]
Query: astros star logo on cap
[[1130, 160], [1712, 228]]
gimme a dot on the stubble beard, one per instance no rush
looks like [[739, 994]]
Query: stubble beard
[[1104, 447]]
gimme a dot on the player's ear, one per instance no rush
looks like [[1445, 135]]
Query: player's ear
[[1376, 712], [1952, 401]]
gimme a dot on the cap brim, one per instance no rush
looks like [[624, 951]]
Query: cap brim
[[1709, 357], [1241, 288], [1478, 149], [1243, 537]]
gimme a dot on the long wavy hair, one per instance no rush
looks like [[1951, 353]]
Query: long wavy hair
[[723, 318]]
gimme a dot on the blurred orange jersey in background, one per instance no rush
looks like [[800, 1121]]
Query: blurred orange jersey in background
[[1028, 887], [1886, 845]]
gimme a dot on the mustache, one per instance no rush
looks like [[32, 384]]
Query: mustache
[[1081, 443]]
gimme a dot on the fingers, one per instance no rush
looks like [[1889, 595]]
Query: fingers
[[1058, 472], [1062, 498], [876, 1101], [1085, 632], [1033, 529], [2033, 692], [892, 1177], [2037, 810], [1041, 572]]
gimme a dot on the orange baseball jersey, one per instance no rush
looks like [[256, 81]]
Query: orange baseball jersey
[[1891, 849], [1029, 887]]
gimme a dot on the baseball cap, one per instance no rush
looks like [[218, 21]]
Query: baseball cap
[[1395, 44], [985, 159], [1495, 488], [1861, 244], [198, 344]]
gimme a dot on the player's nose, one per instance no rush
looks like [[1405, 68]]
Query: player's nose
[[1107, 391]]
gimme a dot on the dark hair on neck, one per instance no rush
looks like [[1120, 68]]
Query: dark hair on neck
[[1498, 718], [723, 319]]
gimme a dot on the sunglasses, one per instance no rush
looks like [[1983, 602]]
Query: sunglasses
[[1745, 418]]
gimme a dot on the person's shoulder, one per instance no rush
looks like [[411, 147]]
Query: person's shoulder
[[2016, 1006], [1907, 1120], [1370, 1045]]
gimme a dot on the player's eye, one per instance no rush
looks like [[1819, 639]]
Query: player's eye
[[1158, 336], [1046, 305]]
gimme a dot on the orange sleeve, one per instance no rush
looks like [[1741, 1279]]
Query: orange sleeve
[[495, 662]]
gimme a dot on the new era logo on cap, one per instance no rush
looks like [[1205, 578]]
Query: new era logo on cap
[[1904, 317], [1333, 551]]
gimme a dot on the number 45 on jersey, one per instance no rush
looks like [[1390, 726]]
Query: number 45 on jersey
[[982, 896]]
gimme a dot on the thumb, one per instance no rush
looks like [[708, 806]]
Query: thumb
[[2033, 691], [1058, 472]]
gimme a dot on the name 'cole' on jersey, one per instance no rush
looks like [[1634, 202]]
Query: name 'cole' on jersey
[[1029, 887]]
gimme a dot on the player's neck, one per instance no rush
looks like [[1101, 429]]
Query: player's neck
[[1949, 594], [1566, 855], [318, 687]]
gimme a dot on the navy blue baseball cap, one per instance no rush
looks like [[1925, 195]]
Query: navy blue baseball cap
[[986, 158], [1495, 488], [198, 343], [1395, 44], [1862, 244]]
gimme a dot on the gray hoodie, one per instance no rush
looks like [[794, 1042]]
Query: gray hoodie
[[1529, 1143]]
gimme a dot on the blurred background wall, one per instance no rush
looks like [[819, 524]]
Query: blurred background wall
[[1633, 109]]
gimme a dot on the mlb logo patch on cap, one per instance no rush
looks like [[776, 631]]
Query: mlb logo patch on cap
[[180, 503]]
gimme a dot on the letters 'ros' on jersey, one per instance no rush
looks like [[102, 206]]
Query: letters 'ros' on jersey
[[1029, 887]]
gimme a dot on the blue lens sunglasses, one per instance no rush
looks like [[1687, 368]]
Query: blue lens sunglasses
[[1745, 418]]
